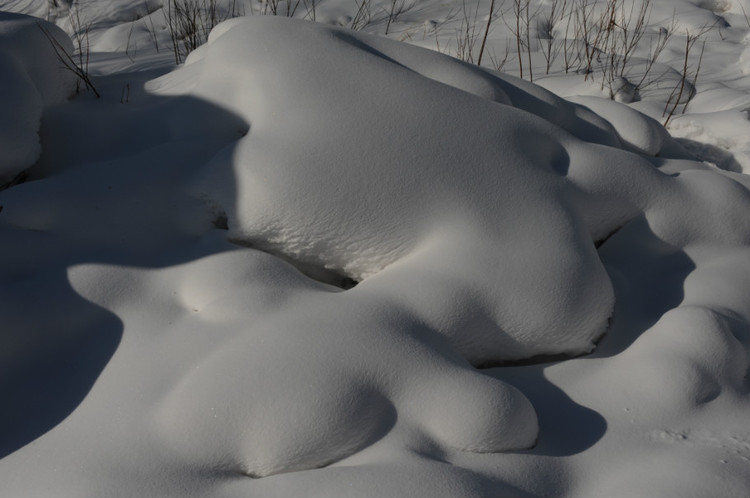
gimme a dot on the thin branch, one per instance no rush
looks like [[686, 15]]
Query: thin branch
[[67, 61]]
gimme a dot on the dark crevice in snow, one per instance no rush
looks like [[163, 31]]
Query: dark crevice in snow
[[322, 275], [546, 358], [225, 471], [220, 220], [534, 360], [310, 270], [600, 242], [253, 475], [16, 180]]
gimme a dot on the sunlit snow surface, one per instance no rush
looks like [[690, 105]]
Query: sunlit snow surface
[[159, 338]]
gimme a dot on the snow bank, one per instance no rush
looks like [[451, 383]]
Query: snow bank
[[30, 80]]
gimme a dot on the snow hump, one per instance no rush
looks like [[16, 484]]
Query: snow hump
[[417, 171], [474, 197]]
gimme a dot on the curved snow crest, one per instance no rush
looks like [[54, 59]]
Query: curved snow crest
[[31, 79], [415, 169]]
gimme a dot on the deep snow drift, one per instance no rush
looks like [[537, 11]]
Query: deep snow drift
[[176, 324]]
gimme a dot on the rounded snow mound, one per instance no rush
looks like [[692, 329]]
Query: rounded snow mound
[[638, 132], [419, 172], [31, 79]]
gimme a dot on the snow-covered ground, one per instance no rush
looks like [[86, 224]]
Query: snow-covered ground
[[317, 261]]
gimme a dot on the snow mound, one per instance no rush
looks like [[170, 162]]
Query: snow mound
[[278, 423], [638, 132], [31, 78], [443, 185]]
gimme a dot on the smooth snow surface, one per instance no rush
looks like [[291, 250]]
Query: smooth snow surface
[[180, 315]]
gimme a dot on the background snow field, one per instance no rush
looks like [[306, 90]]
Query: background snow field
[[308, 260]]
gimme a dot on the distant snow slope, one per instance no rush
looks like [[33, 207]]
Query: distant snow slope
[[179, 317]]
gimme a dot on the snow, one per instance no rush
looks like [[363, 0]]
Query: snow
[[278, 193], [32, 80], [636, 130], [719, 136], [312, 261]]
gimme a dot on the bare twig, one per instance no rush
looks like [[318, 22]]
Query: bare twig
[[363, 16], [695, 78], [486, 32], [190, 22], [68, 61], [674, 101], [467, 35]]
